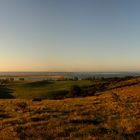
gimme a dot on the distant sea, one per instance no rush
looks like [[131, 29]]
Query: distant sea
[[80, 75]]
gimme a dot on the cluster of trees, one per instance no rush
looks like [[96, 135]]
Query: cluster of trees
[[6, 80], [99, 85], [77, 91]]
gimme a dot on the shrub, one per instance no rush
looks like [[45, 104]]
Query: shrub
[[21, 79], [75, 91], [36, 99]]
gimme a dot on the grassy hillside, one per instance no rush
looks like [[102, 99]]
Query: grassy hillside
[[63, 89], [112, 114], [43, 89]]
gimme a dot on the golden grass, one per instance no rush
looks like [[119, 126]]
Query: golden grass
[[114, 114]]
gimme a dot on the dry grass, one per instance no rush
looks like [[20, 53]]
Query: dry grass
[[113, 115]]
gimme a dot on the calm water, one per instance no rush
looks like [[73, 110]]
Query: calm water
[[80, 75]]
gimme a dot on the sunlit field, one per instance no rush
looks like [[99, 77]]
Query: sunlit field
[[42, 89], [109, 114]]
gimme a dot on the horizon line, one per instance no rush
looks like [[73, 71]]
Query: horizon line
[[71, 71]]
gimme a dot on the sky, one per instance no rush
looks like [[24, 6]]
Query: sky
[[69, 35]]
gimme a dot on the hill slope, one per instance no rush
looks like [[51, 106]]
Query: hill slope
[[113, 114]]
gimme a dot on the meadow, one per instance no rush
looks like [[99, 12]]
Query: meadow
[[59, 89], [110, 110], [41, 89]]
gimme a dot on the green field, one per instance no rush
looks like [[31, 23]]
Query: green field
[[62, 88], [43, 89]]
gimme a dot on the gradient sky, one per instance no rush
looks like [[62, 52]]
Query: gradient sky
[[69, 35]]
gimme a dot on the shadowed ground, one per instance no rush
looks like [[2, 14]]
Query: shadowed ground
[[5, 93]]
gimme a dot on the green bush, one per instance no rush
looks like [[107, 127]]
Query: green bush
[[75, 91]]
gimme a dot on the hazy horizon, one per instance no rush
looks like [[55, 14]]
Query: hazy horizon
[[69, 35], [69, 71]]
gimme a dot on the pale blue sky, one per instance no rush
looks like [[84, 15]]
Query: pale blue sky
[[69, 35]]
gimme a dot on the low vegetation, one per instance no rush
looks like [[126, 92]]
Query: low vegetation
[[63, 88], [112, 113]]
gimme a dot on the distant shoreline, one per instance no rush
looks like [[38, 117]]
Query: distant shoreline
[[33, 76], [63, 75]]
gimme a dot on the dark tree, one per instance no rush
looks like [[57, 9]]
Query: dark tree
[[75, 91]]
